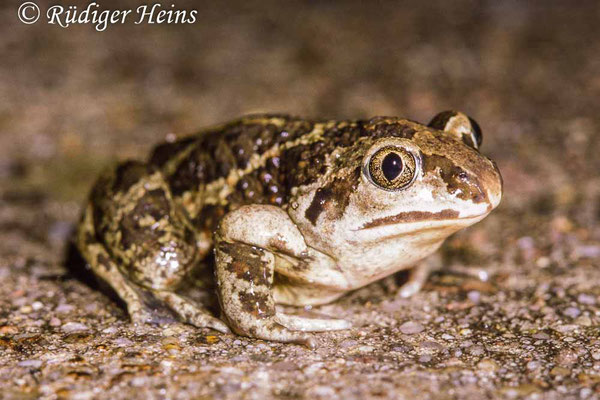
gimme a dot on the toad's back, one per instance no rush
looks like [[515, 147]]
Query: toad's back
[[255, 160], [244, 162]]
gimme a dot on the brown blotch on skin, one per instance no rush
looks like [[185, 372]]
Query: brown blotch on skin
[[317, 206], [90, 238], [165, 152], [379, 127], [198, 167], [104, 262], [153, 203], [302, 265], [257, 304], [456, 178], [128, 174], [305, 163], [344, 134], [208, 218], [412, 216], [333, 197], [247, 264]]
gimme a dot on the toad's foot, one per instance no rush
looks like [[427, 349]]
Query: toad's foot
[[297, 323], [190, 313], [419, 275], [480, 274]]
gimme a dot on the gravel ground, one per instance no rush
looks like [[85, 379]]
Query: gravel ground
[[72, 101]]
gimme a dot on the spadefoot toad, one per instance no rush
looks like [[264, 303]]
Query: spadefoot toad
[[295, 211]]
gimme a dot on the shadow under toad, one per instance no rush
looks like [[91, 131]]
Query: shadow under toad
[[197, 289]]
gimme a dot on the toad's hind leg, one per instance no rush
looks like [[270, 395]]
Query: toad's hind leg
[[137, 240], [105, 268]]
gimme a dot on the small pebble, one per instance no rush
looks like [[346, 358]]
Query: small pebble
[[323, 391], [572, 312], [476, 350], [91, 308], [526, 243], [123, 342], [25, 309], [559, 371], [566, 357], [543, 262], [425, 358], [587, 251], [566, 328], [64, 308], [411, 327], [583, 321], [86, 395], [55, 322], [348, 343], [474, 296], [402, 349], [166, 364], [30, 363], [431, 345], [71, 327], [585, 393], [586, 299], [541, 335], [532, 365], [37, 305], [366, 349], [488, 365], [139, 381], [290, 366]]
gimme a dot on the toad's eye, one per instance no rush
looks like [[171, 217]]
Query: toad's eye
[[392, 168]]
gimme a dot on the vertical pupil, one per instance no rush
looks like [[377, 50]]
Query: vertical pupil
[[391, 166]]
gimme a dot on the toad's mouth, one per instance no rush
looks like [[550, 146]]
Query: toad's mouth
[[408, 217]]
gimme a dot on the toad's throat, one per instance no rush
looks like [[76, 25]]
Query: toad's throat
[[412, 216]]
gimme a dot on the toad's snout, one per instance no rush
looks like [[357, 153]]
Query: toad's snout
[[491, 182]]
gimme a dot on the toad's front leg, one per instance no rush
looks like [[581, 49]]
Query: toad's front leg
[[245, 246]]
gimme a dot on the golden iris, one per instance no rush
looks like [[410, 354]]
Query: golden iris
[[392, 168]]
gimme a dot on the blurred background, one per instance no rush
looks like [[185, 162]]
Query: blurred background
[[73, 101]]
